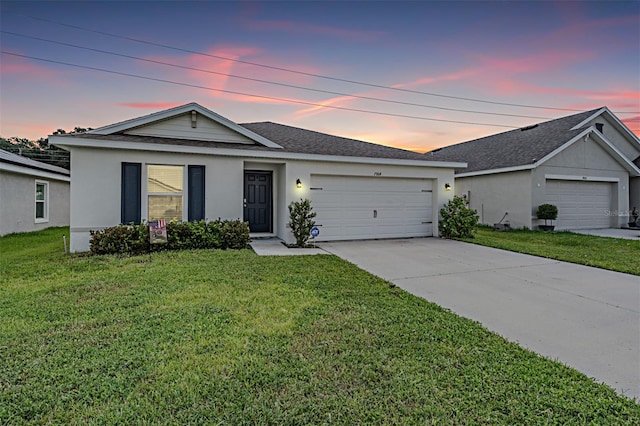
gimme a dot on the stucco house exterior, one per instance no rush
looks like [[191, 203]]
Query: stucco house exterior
[[33, 195], [189, 163], [587, 164]]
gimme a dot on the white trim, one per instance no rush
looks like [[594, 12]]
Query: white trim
[[617, 121], [33, 172], [248, 154], [582, 178], [494, 171], [179, 110], [563, 146], [45, 202], [603, 142], [591, 117]]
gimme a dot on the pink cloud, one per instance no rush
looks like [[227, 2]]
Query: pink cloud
[[315, 109], [23, 68], [452, 76]]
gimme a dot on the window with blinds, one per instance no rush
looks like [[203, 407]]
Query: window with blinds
[[165, 192]]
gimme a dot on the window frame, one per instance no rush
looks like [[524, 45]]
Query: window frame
[[147, 194], [45, 202]]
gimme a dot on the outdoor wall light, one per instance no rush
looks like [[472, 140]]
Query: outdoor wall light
[[447, 187], [298, 183]]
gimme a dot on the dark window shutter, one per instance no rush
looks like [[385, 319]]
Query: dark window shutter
[[131, 198], [196, 193]]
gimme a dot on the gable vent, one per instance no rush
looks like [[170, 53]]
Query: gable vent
[[600, 127]]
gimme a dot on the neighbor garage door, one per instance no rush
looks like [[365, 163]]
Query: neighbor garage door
[[351, 208], [581, 205]]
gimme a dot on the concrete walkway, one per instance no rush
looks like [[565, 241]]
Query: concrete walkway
[[274, 247], [584, 317]]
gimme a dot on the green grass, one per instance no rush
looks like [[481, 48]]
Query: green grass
[[215, 337], [615, 254]]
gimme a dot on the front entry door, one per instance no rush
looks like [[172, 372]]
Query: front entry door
[[257, 201]]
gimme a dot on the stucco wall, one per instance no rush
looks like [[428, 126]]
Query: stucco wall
[[96, 186], [17, 203], [494, 195]]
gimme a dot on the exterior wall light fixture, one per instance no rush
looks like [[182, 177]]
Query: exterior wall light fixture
[[447, 187], [298, 183]]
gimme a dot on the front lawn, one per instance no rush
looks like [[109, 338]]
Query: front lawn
[[217, 337], [607, 253]]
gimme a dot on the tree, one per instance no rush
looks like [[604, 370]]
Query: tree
[[41, 150]]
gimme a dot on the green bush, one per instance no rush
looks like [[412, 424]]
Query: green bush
[[458, 220], [134, 239], [301, 221], [547, 212]]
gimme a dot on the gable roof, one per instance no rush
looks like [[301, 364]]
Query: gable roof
[[520, 147], [18, 163], [173, 112], [278, 141]]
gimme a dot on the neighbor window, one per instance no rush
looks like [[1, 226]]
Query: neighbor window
[[42, 201], [164, 190]]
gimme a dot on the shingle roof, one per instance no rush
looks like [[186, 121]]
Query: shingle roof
[[9, 158], [513, 148], [292, 140], [298, 140]]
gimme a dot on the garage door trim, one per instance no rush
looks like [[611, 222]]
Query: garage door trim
[[582, 178]]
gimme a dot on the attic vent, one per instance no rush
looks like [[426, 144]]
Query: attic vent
[[528, 127], [600, 127], [194, 119]]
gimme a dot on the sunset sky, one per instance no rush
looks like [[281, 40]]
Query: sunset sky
[[507, 64]]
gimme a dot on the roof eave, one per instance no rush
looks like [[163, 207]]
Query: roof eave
[[32, 171], [619, 124], [603, 142], [231, 152], [496, 171]]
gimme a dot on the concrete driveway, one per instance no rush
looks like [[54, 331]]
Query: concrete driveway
[[584, 317]]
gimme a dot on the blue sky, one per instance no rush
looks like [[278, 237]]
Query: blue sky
[[560, 57]]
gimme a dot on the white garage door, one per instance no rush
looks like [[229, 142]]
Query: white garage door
[[352, 208], [581, 205]]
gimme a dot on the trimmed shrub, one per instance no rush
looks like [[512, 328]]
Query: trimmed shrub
[[134, 239], [547, 212], [458, 220]]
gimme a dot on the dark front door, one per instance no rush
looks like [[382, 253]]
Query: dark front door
[[257, 201]]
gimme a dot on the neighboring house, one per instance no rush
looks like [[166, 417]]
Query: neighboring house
[[33, 195], [189, 163], [587, 164]]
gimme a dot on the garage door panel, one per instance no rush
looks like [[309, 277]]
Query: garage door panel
[[581, 205], [365, 207]]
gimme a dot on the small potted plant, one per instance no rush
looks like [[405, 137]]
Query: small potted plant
[[633, 222], [547, 212]]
